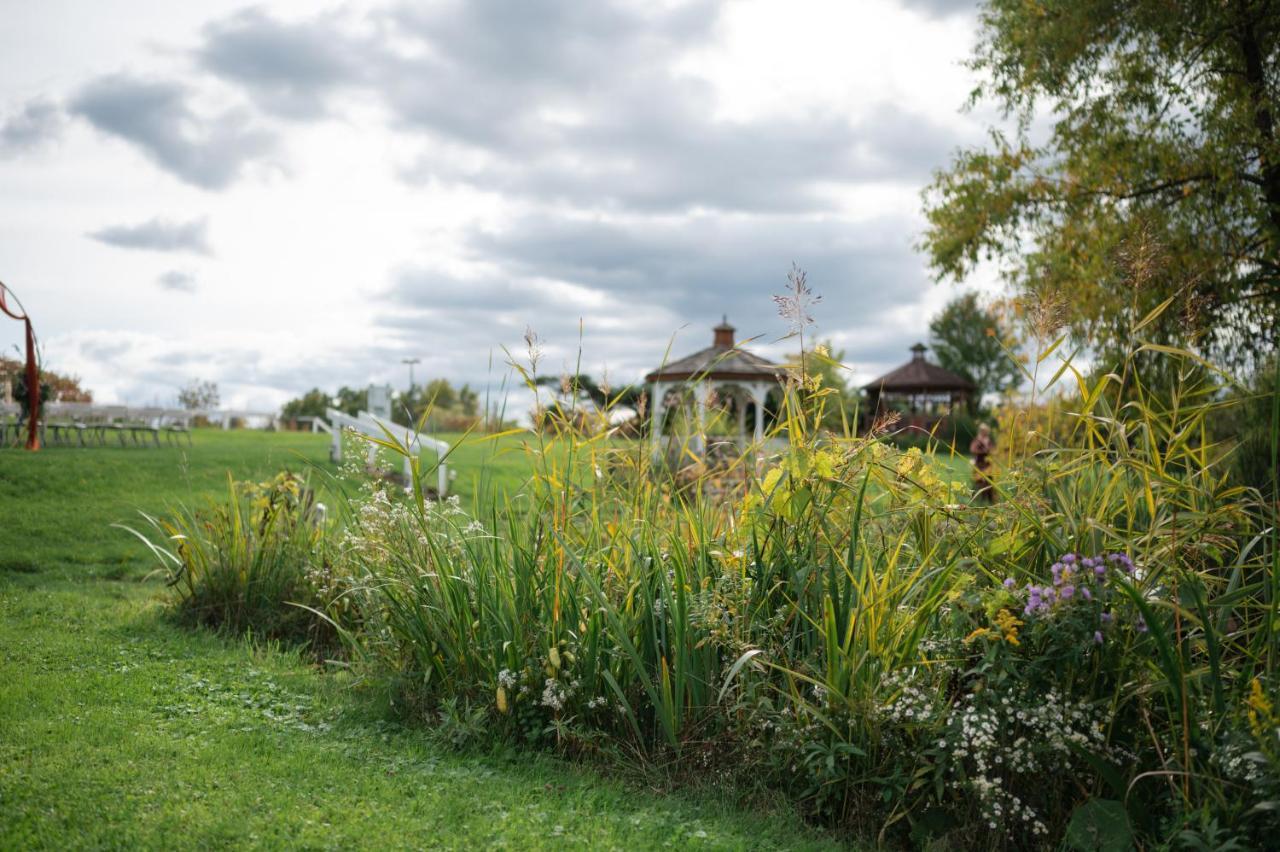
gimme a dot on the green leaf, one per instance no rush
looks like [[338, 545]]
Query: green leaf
[[1099, 825]]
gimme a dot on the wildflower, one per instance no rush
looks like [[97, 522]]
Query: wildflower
[[1105, 617], [1260, 708], [506, 678], [1008, 583], [1123, 561], [1068, 592], [1088, 595], [1097, 636], [1142, 624], [1008, 624], [980, 633], [553, 694]]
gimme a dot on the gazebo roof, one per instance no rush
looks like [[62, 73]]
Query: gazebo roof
[[721, 360], [919, 376]]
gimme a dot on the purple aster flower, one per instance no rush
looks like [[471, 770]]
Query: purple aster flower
[[1105, 618], [1069, 558], [1097, 636], [1067, 592], [1088, 595], [1099, 570], [1008, 583]]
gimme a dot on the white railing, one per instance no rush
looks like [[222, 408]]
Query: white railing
[[377, 427]]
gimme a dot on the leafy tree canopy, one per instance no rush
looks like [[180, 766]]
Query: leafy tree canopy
[[313, 403], [1158, 176], [584, 387], [54, 387], [974, 342], [198, 394]]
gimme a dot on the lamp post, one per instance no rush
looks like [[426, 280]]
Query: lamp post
[[410, 362]]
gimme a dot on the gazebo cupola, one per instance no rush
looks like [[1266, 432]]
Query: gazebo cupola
[[724, 368]]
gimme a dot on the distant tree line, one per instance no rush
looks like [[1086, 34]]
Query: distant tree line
[[440, 404]]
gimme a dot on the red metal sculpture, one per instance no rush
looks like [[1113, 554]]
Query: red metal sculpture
[[33, 371]]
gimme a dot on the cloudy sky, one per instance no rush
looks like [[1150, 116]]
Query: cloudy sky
[[276, 198]]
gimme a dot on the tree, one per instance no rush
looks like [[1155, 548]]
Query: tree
[[1159, 177], [55, 387], [586, 388], [313, 403], [966, 339], [352, 401], [199, 394]]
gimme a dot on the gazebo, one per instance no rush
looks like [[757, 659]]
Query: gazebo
[[729, 371], [919, 390]]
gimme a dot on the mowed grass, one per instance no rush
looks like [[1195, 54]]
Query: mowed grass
[[120, 729], [57, 506]]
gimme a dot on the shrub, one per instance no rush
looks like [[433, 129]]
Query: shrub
[[247, 563]]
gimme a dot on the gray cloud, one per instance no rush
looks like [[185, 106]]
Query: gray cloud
[[288, 68], [177, 281], [38, 121], [634, 283], [153, 116], [942, 8], [567, 102], [158, 235], [707, 264]]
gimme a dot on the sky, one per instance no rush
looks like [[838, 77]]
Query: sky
[[289, 195]]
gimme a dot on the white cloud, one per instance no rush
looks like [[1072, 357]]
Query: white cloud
[[392, 180]]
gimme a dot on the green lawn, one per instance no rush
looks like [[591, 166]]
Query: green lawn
[[119, 729], [57, 506]]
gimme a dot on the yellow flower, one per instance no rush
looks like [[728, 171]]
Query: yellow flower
[[1008, 624], [981, 633], [1260, 709]]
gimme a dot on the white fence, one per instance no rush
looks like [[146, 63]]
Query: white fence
[[378, 427]]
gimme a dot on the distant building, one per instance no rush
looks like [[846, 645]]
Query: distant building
[[920, 391], [737, 377]]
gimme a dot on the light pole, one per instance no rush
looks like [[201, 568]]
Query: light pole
[[410, 362]]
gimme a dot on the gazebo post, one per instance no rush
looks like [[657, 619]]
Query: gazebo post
[[656, 404], [759, 393], [740, 399], [701, 392]]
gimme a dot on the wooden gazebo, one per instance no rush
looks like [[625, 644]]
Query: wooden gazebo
[[732, 373], [920, 391]]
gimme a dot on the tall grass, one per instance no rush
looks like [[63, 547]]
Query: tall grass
[[1089, 660], [239, 565]]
